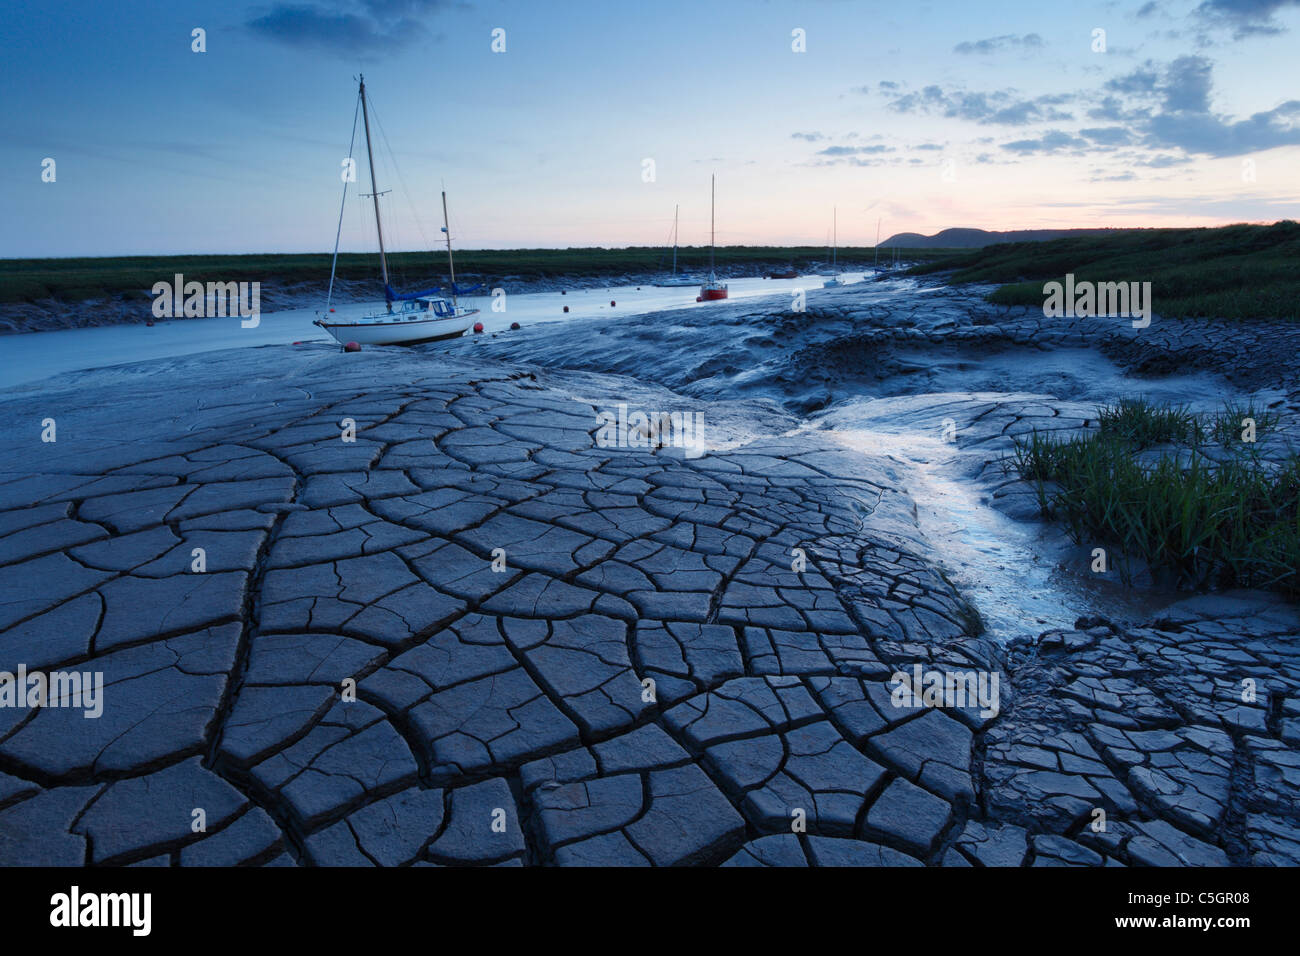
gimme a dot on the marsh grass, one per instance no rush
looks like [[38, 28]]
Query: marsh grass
[[1232, 272], [1143, 424], [1232, 522], [70, 280], [1227, 426]]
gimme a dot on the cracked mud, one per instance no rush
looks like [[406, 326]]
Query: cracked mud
[[474, 636]]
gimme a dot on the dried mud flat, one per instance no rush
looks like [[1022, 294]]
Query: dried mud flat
[[504, 716]]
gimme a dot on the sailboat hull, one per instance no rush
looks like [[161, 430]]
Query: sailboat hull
[[400, 332], [711, 295]]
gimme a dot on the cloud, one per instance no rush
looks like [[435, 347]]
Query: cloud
[[810, 137], [365, 27], [874, 155], [1141, 81], [1204, 132], [1111, 109], [1052, 141], [1237, 209], [1159, 114], [854, 150], [1170, 107], [1148, 9], [994, 44], [1186, 85], [1245, 17], [1108, 135], [1000, 107], [402, 8], [1163, 161]]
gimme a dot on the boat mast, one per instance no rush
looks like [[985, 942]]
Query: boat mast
[[374, 191], [713, 198], [835, 233], [876, 261], [676, 209], [451, 266]]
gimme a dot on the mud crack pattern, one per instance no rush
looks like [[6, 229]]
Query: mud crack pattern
[[648, 676]]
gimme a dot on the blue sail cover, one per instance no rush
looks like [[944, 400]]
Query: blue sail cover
[[392, 296]]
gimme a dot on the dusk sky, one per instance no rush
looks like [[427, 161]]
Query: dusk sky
[[925, 115]]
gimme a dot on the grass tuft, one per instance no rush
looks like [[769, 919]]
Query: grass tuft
[[1144, 424], [1232, 520]]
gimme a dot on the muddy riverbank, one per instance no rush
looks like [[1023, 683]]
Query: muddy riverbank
[[361, 606]]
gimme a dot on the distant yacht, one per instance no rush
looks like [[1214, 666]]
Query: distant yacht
[[419, 317], [834, 281], [713, 289], [674, 280]]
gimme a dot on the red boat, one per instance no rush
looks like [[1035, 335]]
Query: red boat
[[713, 289]]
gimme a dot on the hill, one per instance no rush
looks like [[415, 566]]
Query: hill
[[978, 238]]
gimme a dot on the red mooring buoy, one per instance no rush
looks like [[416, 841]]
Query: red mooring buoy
[[566, 308], [612, 303], [352, 347], [478, 327], [514, 325]]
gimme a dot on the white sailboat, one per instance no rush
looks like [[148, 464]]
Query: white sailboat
[[834, 281], [674, 280], [421, 317]]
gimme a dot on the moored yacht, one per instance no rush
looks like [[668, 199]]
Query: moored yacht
[[834, 281], [417, 317], [712, 289]]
